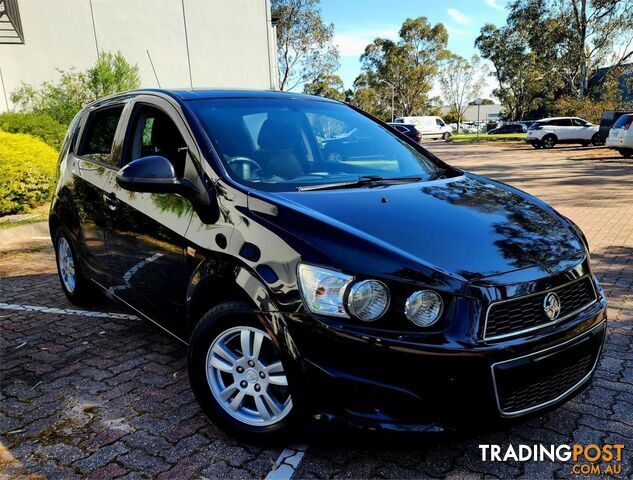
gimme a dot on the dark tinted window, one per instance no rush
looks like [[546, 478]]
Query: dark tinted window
[[154, 133], [562, 122], [622, 121], [100, 132], [578, 122]]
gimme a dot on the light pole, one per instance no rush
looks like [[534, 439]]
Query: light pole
[[478, 102], [393, 95]]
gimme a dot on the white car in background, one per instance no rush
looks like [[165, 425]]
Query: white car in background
[[548, 132], [429, 126], [621, 136]]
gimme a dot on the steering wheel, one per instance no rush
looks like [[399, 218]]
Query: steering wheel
[[238, 165]]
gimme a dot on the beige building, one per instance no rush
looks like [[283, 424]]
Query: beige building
[[175, 43]]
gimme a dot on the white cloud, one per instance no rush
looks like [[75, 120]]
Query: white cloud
[[353, 43], [494, 4], [458, 16]]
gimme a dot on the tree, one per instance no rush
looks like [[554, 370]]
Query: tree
[[575, 37], [519, 75], [62, 100], [461, 82], [326, 85], [406, 68], [304, 42]]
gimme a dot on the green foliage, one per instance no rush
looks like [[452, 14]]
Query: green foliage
[[406, 68], [62, 100], [27, 172], [586, 108], [41, 126], [461, 81], [326, 85], [304, 42], [451, 116]]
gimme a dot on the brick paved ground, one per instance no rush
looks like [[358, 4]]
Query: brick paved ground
[[109, 397]]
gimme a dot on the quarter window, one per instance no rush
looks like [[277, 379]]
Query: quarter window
[[99, 136]]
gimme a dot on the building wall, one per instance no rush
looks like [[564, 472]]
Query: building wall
[[486, 112], [231, 42]]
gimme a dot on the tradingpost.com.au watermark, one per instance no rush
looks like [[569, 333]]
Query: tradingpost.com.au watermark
[[587, 459]]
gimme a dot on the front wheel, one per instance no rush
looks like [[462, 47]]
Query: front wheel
[[446, 136], [238, 375], [548, 141], [626, 153]]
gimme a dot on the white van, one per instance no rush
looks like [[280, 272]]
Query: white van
[[429, 127]]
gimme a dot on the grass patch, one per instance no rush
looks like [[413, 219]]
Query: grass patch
[[484, 137]]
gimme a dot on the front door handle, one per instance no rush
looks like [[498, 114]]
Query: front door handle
[[111, 201]]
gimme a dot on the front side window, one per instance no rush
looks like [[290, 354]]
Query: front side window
[[279, 144], [154, 133], [99, 136], [439, 122]]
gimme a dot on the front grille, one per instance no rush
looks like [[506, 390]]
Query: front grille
[[527, 383], [512, 317]]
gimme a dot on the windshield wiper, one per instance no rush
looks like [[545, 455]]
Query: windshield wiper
[[440, 172], [362, 181]]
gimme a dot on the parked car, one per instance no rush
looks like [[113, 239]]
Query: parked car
[[508, 128], [621, 136], [608, 119], [380, 293], [409, 130], [548, 132], [429, 126]]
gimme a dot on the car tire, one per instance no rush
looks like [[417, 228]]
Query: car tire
[[446, 136], [626, 152], [549, 141], [76, 285], [597, 140], [537, 145], [236, 389], [585, 144]]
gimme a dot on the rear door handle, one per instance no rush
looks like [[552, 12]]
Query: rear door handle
[[111, 201]]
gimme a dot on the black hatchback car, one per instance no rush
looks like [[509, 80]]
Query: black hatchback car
[[384, 291]]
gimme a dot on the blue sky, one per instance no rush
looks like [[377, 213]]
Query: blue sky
[[358, 22]]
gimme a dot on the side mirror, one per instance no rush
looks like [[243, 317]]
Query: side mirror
[[155, 174]]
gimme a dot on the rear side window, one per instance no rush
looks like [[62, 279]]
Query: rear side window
[[622, 121], [99, 134], [562, 122]]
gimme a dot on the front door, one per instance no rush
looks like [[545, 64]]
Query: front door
[[146, 236]]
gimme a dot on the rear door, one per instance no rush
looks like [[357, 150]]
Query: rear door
[[94, 158], [146, 240], [563, 129]]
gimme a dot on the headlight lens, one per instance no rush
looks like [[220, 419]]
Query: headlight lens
[[423, 308], [368, 300], [323, 289]]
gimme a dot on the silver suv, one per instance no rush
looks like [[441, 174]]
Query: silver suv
[[548, 132]]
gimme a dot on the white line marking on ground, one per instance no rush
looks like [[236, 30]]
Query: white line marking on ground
[[66, 311], [287, 463]]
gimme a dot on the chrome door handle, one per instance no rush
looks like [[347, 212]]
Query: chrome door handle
[[111, 201]]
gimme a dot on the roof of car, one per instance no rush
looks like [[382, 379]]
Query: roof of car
[[555, 118], [205, 94]]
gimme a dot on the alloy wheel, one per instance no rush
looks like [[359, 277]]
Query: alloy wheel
[[247, 378], [548, 142], [66, 264]]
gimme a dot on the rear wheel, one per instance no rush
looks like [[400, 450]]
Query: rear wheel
[[548, 141], [238, 376], [584, 144], [75, 284], [626, 152]]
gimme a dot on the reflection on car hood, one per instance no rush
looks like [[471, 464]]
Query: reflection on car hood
[[468, 226]]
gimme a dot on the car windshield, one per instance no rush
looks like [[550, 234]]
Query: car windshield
[[283, 144]]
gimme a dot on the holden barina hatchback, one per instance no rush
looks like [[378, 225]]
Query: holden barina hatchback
[[379, 287]]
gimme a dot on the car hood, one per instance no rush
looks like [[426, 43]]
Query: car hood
[[466, 226]]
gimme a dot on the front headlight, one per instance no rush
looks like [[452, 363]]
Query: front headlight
[[323, 289], [368, 300], [423, 308]]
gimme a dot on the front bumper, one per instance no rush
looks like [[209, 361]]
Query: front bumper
[[385, 384]]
